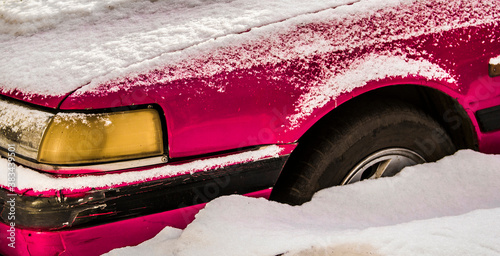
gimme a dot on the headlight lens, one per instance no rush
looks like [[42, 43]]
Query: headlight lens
[[93, 138]]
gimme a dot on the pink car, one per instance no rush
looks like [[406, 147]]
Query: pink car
[[119, 118]]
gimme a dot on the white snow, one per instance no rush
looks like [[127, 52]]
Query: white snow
[[39, 182], [495, 61], [370, 68], [74, 118], [54, 47], [451, 207], [22, 126], [80, 40], [17, 118], [284, 44]]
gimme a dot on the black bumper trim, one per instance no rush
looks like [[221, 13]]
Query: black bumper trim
[[489, 119], [104, 206]]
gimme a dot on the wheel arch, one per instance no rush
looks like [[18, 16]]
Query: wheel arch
[[442, 107]]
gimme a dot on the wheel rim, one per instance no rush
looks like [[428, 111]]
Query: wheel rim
[[384, 163]]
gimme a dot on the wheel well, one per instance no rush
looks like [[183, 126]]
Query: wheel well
[[341, 131], [443, 108]]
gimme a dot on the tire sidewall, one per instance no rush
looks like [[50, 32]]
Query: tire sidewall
[[396, 130]]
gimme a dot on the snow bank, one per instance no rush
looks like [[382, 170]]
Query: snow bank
[[450, 207], [474, 233]]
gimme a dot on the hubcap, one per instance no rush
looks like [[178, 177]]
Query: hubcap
[[384, 163]]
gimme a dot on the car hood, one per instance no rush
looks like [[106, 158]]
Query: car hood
[[48, 53]]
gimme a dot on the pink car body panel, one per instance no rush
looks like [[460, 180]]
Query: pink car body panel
[[253, 106]]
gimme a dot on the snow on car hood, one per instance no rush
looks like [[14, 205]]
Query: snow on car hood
[[51, 48]]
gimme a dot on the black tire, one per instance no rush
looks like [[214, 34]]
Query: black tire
[[328, 154]]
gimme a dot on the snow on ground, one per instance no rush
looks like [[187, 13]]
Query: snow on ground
[[451, 207]]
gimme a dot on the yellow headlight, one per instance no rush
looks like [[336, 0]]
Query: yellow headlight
[[92, 138]]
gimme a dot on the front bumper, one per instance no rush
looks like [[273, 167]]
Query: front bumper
[[103, 218], [100, 239]]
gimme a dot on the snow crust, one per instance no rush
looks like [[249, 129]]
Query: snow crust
[[450, 207], [28, 17], [495, 61], [39, 182]]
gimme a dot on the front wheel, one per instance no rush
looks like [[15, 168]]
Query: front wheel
[[373, 141]]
